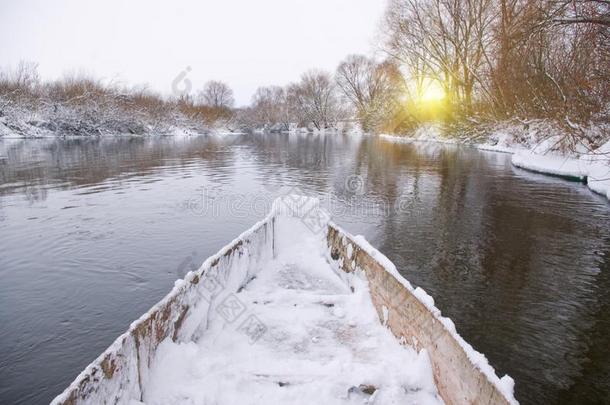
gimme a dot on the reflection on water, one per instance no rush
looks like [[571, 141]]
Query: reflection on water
[[95, 231]]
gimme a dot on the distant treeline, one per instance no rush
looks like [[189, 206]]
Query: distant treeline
[[459, 62], [492, 59]]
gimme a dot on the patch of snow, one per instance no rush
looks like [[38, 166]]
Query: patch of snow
[[425, 133], [350, 251], [182, 132], [500, 141], [225, 130], [424, 297]]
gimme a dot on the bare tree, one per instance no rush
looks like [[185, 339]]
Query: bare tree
[[444, 40], [549, 58], [216, 94], [20, 83], [372, 88], [595, 12], [269, 106], [316, 99], [537, 58]]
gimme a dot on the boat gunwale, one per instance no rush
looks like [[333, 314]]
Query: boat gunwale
[[68, 396], [481, 364]]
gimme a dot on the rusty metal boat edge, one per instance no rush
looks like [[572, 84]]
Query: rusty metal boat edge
[[462, 375]]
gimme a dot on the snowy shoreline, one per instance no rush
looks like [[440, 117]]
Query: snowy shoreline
[[530, 151], [174, 132], [539, 156]]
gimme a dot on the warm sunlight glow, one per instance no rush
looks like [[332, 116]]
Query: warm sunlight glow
[[432, 91]]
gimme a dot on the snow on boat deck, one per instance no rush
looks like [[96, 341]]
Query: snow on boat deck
[[320, 341], [286, 315]]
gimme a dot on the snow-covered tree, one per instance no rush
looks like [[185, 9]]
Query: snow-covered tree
[[316, 100]]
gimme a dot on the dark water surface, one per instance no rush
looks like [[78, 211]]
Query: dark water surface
[[94, 232]]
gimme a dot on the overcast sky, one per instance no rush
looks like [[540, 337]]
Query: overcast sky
[[246, 43]]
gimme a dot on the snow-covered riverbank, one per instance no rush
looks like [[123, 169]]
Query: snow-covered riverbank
[[104, 114], [536, 147]]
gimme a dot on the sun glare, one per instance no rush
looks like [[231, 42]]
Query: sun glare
[[432, 91]]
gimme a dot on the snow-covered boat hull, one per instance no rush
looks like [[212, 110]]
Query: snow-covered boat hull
[[117, 376]]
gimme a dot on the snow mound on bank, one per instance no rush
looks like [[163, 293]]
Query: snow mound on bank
[[550, 164], [592, 168]]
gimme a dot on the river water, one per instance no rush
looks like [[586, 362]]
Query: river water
[[93, 232]]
